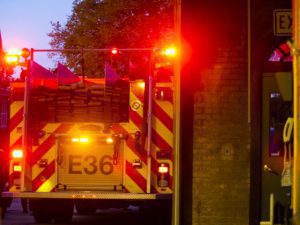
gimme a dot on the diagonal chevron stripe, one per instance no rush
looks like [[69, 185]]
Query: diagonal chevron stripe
[[48, 185], [15, 134], [15, 106], [17, 143], [136, 177], [43, 176], [136, 119], [48, 143], [160, 113], [167, 107], [16, 119], [131, 186], [162, 130], [129, 141], [160, 142], [49, 155]]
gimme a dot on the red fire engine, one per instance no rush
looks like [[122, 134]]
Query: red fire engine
[[91, 142]]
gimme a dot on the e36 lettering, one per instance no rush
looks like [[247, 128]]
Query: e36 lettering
[[105, 164]]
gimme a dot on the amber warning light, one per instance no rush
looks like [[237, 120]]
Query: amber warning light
[[170, 52], [81, 139]]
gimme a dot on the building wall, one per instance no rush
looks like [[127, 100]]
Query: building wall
[[224, 159], [221, 132], [221, 142]]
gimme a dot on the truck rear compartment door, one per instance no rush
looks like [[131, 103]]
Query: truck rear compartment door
[[91, 165]]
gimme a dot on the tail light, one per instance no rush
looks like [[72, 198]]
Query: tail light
[[80, 140], [17, 169], [163, 175], [17, 153], [163, 169]]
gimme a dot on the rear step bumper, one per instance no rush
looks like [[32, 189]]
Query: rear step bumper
[[85, 195]]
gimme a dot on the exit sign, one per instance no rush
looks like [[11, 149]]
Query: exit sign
[[282, 22]]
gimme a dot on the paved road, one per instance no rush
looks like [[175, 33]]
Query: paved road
[[15, 216]]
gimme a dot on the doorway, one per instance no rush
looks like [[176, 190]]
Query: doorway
[[276, 108]]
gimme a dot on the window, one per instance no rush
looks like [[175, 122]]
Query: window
[[279, 112]]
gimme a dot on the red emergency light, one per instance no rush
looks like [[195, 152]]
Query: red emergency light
[[114, 51]]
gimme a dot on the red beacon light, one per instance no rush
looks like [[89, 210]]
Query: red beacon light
[[169, 52], [114, 51], [25, 53]]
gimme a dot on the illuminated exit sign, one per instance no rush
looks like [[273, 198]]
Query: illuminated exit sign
[[282, 22]]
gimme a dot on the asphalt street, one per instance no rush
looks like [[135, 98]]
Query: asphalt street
[[131, 216]]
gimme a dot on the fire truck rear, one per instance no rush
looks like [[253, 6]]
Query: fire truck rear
[[91, 141]]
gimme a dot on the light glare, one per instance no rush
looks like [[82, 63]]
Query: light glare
[[14, 51], [114, 51], [11, 58], [141, 85], [75, 139], [83, 140], [163, 169], [109, 140], [17, 154], [170, 51]]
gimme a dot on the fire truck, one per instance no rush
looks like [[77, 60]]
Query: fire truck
[[4, 141], [93, 141]]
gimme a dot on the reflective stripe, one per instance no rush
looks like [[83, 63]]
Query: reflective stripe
[[43, 176], [136, 176], [48, 143], [161, 114]]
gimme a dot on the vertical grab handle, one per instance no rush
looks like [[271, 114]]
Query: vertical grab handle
[[287, 130]]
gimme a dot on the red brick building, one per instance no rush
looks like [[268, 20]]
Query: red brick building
[[230, 44]]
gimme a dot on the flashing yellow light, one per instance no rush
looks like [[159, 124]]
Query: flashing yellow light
[[109, 140], [17, 153], [11, 59], [81, 140], [170, 52], [75, 140], [13, 56], [141, 85], [17, 168]]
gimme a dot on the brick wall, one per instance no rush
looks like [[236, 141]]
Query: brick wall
[[221, 149]]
